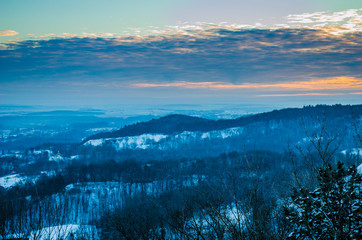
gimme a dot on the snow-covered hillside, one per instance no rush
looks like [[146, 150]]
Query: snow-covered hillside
[[142, 141], [11, 180], [159, 141]]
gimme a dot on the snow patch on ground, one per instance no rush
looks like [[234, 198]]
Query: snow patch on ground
[[68, 231], [56, 158], [11, 180], [105, 129], [353, 151], [234, 214], [75, 157], [96, 142], [143, 141], [146, 141], [39, 152], [359, 169], [225, 133]]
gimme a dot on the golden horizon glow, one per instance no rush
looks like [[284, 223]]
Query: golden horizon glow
[[334, 83], [300, 94]]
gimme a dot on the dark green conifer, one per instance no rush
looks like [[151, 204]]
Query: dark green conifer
[[332, 211]]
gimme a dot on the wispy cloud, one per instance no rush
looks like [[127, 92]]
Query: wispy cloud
[[347, 21], [331, 22], [5, 33], [325, 17]]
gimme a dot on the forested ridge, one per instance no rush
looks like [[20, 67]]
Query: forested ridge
[[203, 188], [178, 123]]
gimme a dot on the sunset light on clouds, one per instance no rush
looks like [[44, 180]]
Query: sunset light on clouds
[[340, 83], [313, 49]]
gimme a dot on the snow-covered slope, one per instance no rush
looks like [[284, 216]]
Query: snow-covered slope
[[11, 180], [142, 141], [159, 141]]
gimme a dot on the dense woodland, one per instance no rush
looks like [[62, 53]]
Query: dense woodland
[[307, 189]]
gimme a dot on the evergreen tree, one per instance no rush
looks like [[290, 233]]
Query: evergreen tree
[[332, 211]]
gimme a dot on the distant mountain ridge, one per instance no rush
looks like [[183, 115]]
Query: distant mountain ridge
[[174, 124]]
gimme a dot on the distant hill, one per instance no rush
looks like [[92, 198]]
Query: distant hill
[[174, 124]]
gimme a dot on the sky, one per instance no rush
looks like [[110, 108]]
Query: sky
[[92, 53]]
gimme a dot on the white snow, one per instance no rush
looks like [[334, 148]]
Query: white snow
[[38, 152], [353, 151], [56, 158], [95, 142], [97, 197], [105, 129], [142, 141], [205, 135], [10, 180], [230, 132], [225, 133], [234, 214], [359, 169], [68, 231], [146, 141], [74, 157]]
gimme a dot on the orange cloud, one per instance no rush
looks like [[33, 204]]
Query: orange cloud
[[6, 33], [335, 83], [300, 94]]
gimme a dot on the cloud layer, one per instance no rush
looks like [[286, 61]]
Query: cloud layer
[[231, 55], [322, 58]]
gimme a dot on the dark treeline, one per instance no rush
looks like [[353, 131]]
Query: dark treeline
[[173, 124], [138, 172]]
